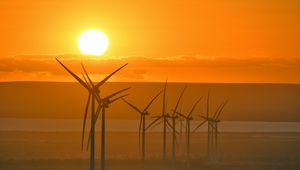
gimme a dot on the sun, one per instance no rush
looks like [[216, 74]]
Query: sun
[[92, 42]]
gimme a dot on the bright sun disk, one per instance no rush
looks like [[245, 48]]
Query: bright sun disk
[[93, 42]]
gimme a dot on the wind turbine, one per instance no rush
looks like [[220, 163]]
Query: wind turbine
[[215, 132], [104, 104], [142, 124], [209, 130], [93, 96], [211, 125], [188, 119], [173, 118], [164, 117]]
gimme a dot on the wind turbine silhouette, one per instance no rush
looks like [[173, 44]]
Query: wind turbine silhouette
[[188, 119], [93, 96], [164, 117], [212, 128], [104, 104], [174, 118], [142, 124], [215, 120]]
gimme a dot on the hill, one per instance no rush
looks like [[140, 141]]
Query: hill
[[248, 102]]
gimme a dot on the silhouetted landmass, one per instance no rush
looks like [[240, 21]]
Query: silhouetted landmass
[[248, 102]]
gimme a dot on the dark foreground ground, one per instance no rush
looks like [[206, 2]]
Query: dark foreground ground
[[75, 164], [61, 151]]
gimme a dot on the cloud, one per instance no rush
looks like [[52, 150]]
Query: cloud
[[143, 68]]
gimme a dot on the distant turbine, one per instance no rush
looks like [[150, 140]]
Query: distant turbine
[[212, 128], [142, 124], [173, 118], [215, 132], [164, 117], [188, 119]]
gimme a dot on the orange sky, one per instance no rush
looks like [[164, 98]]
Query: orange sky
[[195, 41]]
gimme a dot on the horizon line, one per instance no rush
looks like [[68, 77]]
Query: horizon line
[[174, 82]]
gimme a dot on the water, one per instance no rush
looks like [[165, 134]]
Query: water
[[75, 125]]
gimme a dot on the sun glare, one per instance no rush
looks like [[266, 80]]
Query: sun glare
[[93, 42]]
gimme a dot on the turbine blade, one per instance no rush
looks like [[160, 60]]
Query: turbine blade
[[178, 101], [157, 123], [140, 127], [97, 97], [99, 107], [104, 80], [182, 115], [85, 80], [180, 108], [146, 108], [96, 117], [225, 103], [74, 75], [168, 128], [218, 110], [84, 119], [116, 93], [132, 106], [207, 106], [194, 106], [155, 120], [199, 126], [164, 98], [111, 101], [89, 140], [169, 124], [206, 118], [91, 82]]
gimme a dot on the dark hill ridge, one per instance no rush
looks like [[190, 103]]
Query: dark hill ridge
[[248, 102]]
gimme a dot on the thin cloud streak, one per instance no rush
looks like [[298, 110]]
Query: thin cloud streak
[[143, 68]]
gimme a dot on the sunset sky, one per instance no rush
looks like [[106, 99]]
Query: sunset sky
[[229, 41]]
